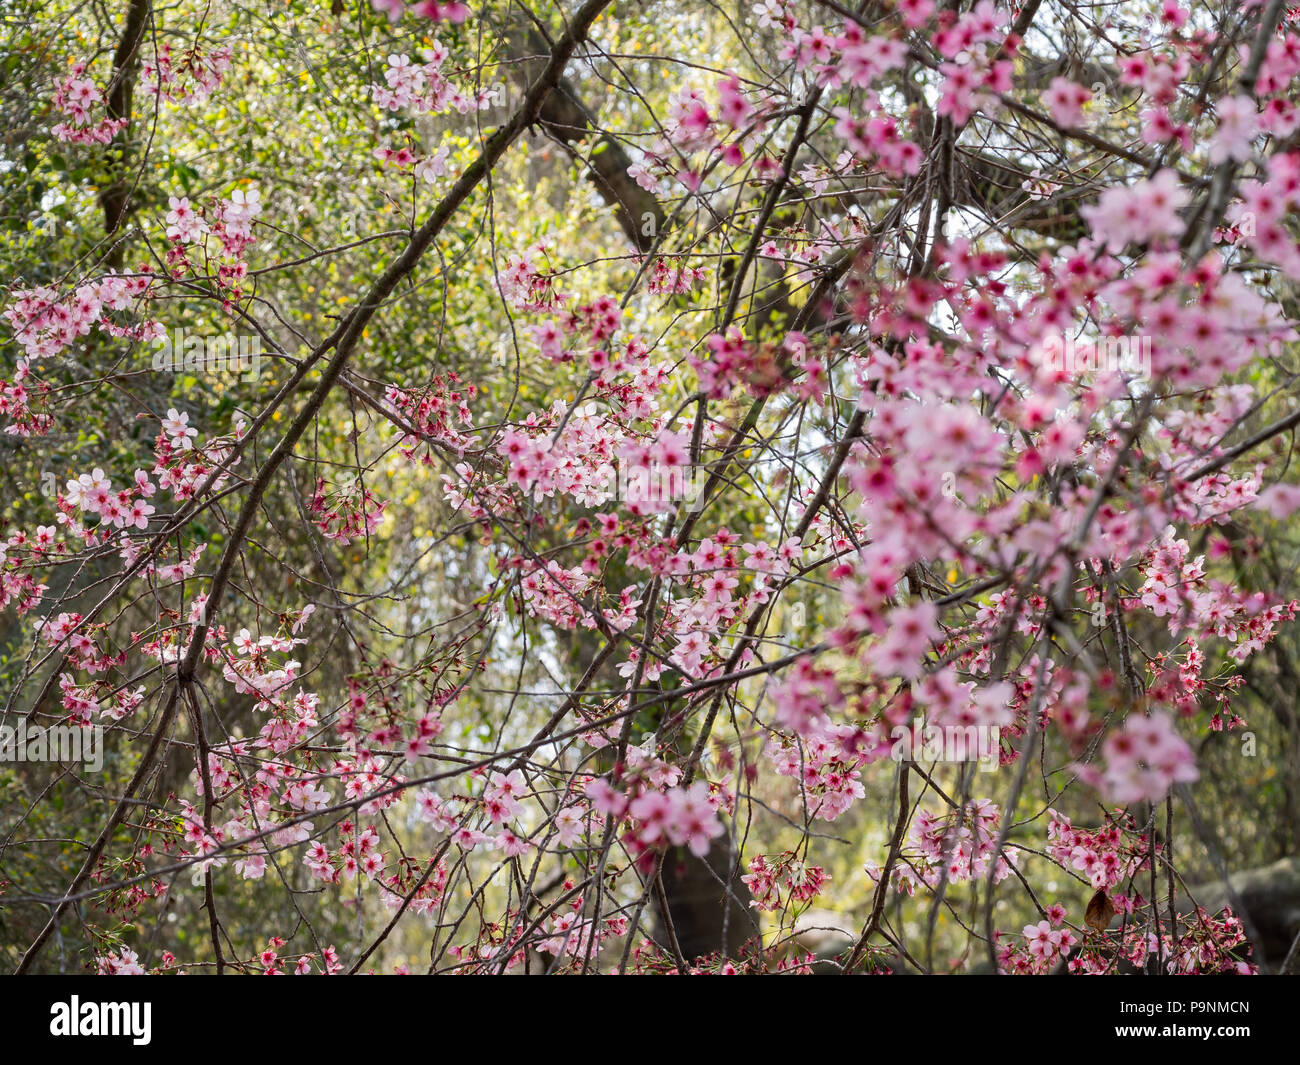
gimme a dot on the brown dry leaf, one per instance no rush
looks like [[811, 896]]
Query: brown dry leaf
[[1099, 912]]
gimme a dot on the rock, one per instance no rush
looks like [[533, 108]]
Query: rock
[[1270, 896]]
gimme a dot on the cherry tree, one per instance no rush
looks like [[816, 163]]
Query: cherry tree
[[667, 433]]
